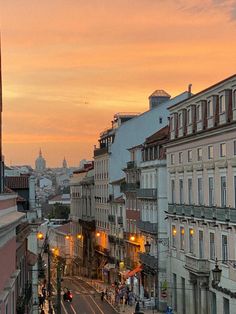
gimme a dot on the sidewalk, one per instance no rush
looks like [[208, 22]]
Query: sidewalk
[[100, 286]]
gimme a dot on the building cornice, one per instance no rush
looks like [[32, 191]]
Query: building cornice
[[202, 134]]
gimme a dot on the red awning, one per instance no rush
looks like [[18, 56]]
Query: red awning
[[134, 271]]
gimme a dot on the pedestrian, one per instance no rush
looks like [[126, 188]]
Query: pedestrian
[[102, 295], [41, 302]]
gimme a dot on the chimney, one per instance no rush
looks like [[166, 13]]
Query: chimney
[[189, 90]]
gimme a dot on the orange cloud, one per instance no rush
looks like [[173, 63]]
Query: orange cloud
[[69, 65]]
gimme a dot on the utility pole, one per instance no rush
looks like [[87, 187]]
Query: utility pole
[[58, 285]]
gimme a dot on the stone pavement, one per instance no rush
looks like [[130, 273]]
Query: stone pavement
[[126, 309]]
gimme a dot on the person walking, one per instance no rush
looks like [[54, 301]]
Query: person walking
[[102, 295]]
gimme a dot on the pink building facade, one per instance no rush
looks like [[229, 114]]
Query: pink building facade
[[9, 220]]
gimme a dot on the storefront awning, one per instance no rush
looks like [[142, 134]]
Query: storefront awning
[[134, 271]]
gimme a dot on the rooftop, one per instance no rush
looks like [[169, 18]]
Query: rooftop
[[160, 93], [19, 182]]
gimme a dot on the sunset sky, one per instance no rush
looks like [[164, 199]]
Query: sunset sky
[[69, 65]]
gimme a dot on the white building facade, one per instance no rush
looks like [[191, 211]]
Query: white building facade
[[202, 200]]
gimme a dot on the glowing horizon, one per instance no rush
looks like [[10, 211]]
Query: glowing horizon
[[69, 66]]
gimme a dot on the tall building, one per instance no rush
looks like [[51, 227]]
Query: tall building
[[40, 162], [14, 287], [201, 159]]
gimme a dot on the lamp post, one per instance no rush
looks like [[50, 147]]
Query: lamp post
[[46, 246], [216, 273]]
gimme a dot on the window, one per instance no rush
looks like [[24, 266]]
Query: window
[[222, 150], [172, 159], [190, 191], [212, 246], [211, 191], [224, 249], [191, 243], [223, 191], [172, 191], [222, 104], [181, 191], [210, 152], [181, 238], [189, 116], [199, 113], [175, 292], [189, 155], [160, 120], [234, 99], [199, 154], [226, 306], [172, 123], [209, 109], [213, 303], [200, 191], [174, 232], [180, 120], [234, 147], [183, 295], [181, 157], [201, 244]]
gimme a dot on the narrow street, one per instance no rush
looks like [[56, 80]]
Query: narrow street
[[85, 299]]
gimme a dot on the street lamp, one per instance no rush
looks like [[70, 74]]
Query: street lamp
[[40, 236], [216, 273], [132, 238]]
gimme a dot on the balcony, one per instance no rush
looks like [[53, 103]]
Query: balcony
[[147, 227], [149, 261], [200, 267], [100, 249], [130, 263], [224, 214], [129, 187], [120, 220], [111, 238], [131, 164], [112, 219], [147, 193], [100, 151]]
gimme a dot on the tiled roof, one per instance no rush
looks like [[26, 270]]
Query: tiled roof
[[159, 93], [20, 182], [162, 134]]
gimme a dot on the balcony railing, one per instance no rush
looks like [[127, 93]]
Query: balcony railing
[[147, 193], [100, 151], [111, 238], [102, 250], [224, 214], [197, 265], [116, 240], [120, 220], [147, 227], [131, 164], [130, 263], [149, 261], [129, 187], [112, 218]]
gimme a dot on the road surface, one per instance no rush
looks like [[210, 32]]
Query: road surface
[[85, 299]]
